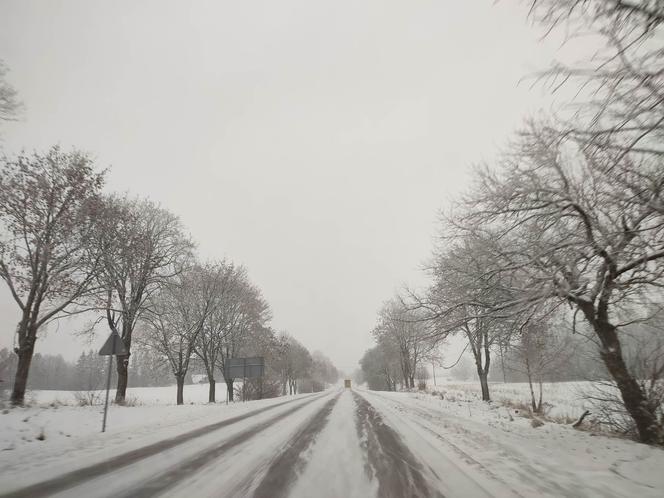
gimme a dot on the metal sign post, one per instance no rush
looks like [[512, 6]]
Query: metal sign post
[[112, 346], [108, 388]]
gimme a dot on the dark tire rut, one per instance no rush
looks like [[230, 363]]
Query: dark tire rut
[[284, 470], [398, 471]]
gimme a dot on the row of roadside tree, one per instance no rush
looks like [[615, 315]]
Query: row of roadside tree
[[564, 233], [67, 247]]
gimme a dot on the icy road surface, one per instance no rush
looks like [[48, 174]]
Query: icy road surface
[[335, 444]]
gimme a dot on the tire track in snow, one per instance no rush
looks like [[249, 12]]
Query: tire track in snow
[[337, 459], [540, 480], [398, 471], [79, 476], [412, 410], [285, 468], [186, 468]]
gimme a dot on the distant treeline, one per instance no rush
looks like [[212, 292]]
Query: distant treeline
[[53, 372]]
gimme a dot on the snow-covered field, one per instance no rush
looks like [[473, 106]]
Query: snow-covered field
[[563, 400], [56, 415], [53, 424]]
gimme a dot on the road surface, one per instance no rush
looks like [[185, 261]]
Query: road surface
[[336, 444]]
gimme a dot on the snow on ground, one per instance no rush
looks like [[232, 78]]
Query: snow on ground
[[72, 434], [471, 448], [563, 400], [57, 415], [552, 460], [336, 459], [176, 472], [245, 466]]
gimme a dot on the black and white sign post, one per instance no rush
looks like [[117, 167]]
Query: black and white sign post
[[112, 346]]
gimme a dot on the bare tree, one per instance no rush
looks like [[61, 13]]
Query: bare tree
[[409, 330], [581, 200], [643, 348], [295, 363], [242, 311], [462, 300], [177, 316], [263, 342], [380, 368], [47, 213], [221, 320], [9, 104], [622, 81], [142, 247], [323, 371], [299, 365], [539, 350], [582, 226]]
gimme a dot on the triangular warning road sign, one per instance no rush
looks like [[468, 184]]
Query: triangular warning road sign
[[113, 345]]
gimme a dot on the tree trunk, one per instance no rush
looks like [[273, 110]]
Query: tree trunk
[[635, 401], [502, 362], [533, 403], [529, 374], [484, 378], [648, 426], [122, 363], [539, 403], [479, 344], [211, 390], [484, 383], [483, 373], [180, 394], [229, 389], [24, 353], [405, 370]]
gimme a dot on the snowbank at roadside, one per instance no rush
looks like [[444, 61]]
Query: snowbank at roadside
[[53, 428], [550, 460]]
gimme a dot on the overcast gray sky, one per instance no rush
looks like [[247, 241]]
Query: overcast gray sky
[[312, 141]]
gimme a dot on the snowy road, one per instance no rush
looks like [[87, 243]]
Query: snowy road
[[334, 444]]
